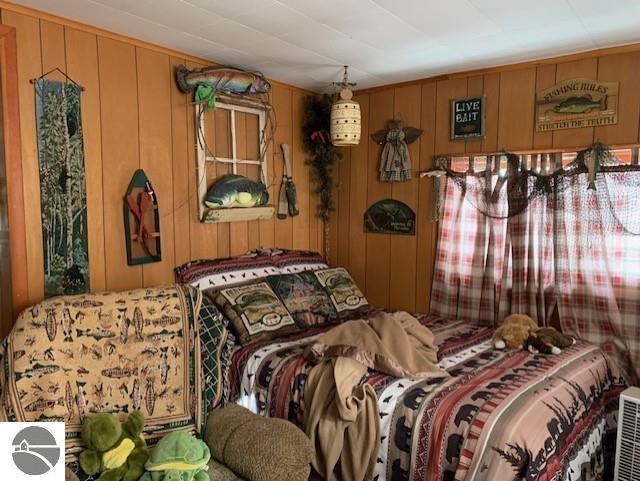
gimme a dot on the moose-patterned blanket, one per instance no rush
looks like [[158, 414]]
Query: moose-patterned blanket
[[500, 416]]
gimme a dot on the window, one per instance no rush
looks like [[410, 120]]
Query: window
[[240, 159]]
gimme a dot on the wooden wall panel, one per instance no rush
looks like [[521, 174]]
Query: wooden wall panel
[[491, 86], [515, 115], [29, 67], [545, 78], [120, 153], [404, 281], [624, 69], [301, 223], [378, 245], [358, 197], [425, 226], [402, 268], [154, 118], [134, 116], [343, 199], [447, 91]]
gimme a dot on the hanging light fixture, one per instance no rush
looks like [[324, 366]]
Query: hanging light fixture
[[345, 115]]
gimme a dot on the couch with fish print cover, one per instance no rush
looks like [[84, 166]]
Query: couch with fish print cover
[[162, 350]]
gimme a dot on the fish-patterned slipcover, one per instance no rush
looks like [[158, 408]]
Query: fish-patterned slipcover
[[68, 357]]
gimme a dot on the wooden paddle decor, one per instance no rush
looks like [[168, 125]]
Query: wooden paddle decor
[[141, 221]]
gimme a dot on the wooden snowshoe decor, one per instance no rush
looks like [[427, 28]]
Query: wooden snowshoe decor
[[141, 221]]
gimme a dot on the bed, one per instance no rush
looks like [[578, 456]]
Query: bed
[[501, 415]]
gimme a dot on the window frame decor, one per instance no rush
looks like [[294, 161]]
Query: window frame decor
[[204, 156]]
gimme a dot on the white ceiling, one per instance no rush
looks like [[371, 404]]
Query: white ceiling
[[305, 42]]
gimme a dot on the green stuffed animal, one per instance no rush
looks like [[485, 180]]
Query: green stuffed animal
[[178, 456], [115, 449]]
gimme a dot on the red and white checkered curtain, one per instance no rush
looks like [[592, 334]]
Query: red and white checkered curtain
[[598, 266], [487, 268], [579, 257]]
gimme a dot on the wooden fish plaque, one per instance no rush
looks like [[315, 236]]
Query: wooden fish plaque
[[577, 103]]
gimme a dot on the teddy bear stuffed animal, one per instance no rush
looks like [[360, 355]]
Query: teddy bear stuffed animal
[[548, 340], [513, 332]]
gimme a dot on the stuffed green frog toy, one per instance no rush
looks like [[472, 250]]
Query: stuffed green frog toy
[[178, 456], [115, 449]]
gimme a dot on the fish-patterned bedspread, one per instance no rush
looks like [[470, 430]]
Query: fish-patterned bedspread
[[502, 415]]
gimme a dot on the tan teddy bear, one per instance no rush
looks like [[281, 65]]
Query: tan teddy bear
[[513, 331]]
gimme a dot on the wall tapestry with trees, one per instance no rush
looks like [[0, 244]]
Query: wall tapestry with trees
[[62, 188]]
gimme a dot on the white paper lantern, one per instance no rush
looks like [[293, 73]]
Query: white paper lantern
[[345, 120]]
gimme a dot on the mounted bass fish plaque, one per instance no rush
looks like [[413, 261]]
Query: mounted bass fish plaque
[[389, 216], [141, 221], [577, 103]]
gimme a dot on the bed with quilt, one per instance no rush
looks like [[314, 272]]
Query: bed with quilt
[[498, 415]]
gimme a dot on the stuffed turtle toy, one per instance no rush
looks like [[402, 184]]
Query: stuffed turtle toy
[[179, 456], [115, 449]]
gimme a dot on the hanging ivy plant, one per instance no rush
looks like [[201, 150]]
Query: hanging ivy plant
[[323, 155]]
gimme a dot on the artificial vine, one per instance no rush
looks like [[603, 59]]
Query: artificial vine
[[323, 155]]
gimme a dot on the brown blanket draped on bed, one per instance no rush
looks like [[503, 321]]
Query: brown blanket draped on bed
[[341, 414]]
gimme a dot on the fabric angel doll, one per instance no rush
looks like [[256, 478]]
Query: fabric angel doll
[[395, 163]]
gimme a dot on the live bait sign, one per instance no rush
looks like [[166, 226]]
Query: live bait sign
[[467, 118], [576, 103]]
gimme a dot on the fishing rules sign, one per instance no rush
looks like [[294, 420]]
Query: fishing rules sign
[[576, 103], [467, 118]]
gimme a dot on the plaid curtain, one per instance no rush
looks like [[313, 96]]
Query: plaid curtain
[[487, 268], [580, 257], [598, 265]]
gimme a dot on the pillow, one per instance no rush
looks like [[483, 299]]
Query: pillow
[[226, 272], [258, 448], [343, 292], [253, 265], [290, 261], [305, 298], [255, 312]]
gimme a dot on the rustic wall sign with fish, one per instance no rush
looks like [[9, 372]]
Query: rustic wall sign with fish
[[576, 103]]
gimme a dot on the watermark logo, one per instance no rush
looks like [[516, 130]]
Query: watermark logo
[[33, 451]]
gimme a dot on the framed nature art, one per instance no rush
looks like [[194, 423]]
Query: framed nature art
[[63, 198]]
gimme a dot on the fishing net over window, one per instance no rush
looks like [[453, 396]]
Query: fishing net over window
[[504, 185]]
